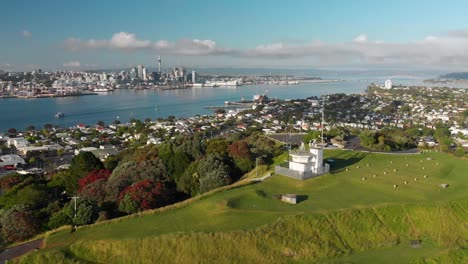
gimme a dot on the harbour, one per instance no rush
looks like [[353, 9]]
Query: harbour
[[124, 104]]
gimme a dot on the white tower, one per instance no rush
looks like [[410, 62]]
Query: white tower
[[317, 158], [159, 64]]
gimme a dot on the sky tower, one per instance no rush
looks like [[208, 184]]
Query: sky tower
[[159, 64]]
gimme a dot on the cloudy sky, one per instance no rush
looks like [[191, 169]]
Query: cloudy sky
[[255, 33]]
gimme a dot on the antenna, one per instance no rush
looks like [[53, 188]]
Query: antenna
[[159, 64], [323, 118]]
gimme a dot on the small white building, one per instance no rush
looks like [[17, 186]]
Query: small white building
[[388, 84], [289, 198], [305, 164]]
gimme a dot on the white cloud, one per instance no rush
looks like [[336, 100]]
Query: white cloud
[[5, 66], [362, 38], [26, 33], [72, 64], [129, 42], [448, 49]]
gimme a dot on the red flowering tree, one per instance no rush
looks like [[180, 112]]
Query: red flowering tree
[[93, 176], [92, 186], [143, 195]]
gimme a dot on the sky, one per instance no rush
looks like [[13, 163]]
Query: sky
[[330, 34]]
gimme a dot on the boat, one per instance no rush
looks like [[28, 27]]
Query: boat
[[101, 90], [59, 115]]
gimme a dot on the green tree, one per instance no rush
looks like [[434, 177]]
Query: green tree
[[189, 182], [59, 219], [459, 151], [175, 161], [86, 212], [80, 166], [217, 146], [213, 173], [311, 136], [367, 138], [18, 223]]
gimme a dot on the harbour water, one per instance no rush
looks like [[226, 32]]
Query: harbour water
[[140, 104]]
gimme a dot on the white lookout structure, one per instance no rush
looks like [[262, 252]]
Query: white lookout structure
[[304, 164]]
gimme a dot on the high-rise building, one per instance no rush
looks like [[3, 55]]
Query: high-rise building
[[144, 77], [103, 76], [133, 73], [140, 71], [194, 76]]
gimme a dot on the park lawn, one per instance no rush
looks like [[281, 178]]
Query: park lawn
[[429, 252], [249, 207]]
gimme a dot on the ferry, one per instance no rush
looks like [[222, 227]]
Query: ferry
[[102, 90], [59, 115]]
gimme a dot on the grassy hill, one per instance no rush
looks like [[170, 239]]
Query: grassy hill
[[341, 219]]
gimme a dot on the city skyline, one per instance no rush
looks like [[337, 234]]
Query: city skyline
[[119, 34]]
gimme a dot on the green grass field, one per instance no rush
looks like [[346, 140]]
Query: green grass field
[[341, 219]]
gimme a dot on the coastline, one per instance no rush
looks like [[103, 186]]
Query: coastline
[[321, 81]]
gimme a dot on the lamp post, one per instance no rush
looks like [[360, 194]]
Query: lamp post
[[74, 199]]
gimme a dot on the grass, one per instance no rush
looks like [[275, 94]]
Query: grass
[[403, 253], [341, 216]]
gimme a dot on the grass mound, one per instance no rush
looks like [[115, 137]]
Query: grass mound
[[341, 217]]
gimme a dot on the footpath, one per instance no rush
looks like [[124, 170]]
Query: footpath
[[17, 251]]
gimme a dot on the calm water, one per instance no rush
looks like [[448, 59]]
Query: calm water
[[126, 104]]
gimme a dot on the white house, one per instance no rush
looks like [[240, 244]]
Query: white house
[[388, 84], [305, 164], [10, 160]]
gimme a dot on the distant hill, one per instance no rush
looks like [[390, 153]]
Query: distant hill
[[455, 76]]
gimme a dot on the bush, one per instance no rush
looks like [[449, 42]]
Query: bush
[[18, 223]]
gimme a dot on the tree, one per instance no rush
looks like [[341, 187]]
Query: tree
[[189, 182], [217, 146], [213, 173], [48, 126], [220, 111], [459, 151], [311, 136], [143, 195], [86, 212], [34, 196], [175, 161], [18, 223], [243, 159], [12, 131], [130, 172], [111, 162], [367, 138], [93, 176], [30, 128], [80, 166], [59, 219], [100, 123]]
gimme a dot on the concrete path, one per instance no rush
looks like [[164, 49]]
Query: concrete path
[[17, 251]]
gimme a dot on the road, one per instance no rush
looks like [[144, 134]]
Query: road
[[17, 251]]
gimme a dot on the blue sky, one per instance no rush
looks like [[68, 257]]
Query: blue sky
[[256, 33]]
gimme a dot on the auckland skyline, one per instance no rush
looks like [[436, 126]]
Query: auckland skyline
[[310, 34]]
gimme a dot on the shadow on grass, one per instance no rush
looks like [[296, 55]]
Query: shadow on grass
[[339, 164], [301, 198]]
